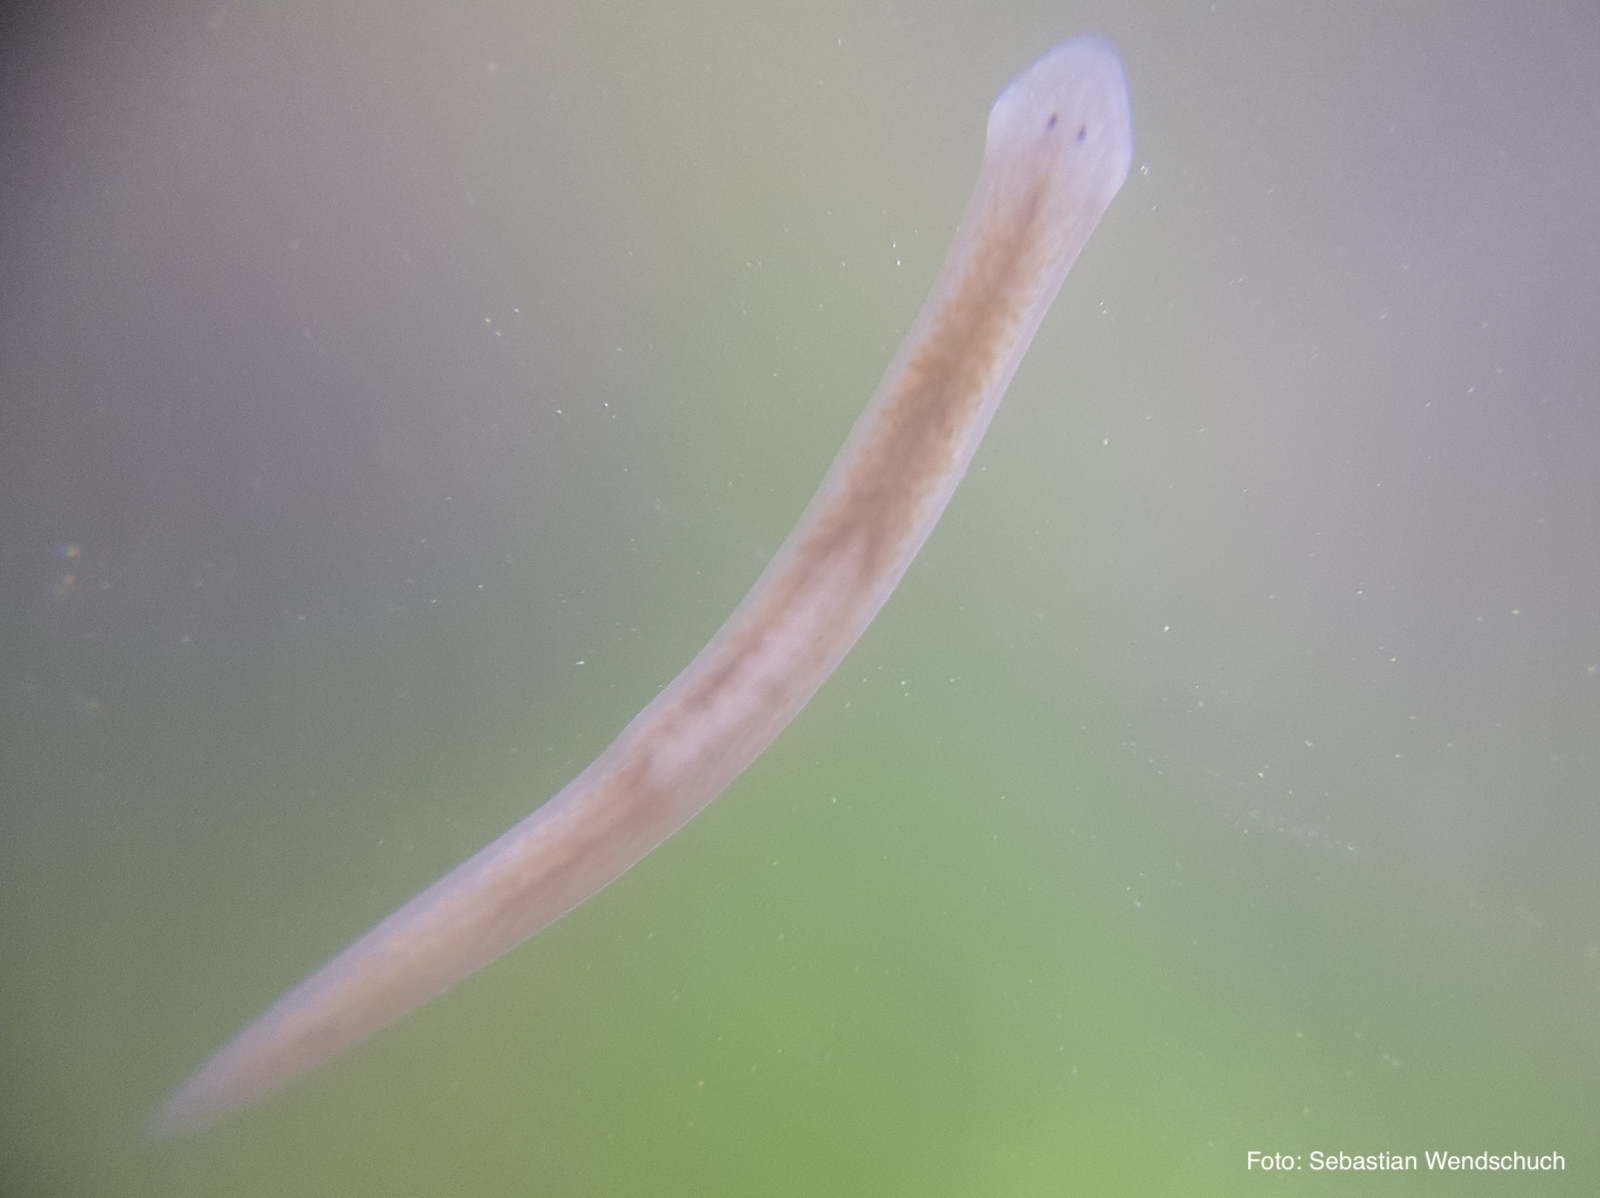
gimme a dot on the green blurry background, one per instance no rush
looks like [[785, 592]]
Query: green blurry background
[[393, 398]]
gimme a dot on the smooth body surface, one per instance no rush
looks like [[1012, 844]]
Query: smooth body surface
[[1059, 146]]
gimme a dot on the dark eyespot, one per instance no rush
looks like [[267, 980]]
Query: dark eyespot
[[1083, 134], [1051, 123]]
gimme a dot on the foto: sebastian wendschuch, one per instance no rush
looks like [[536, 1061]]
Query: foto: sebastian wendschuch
[[1486, 1162]]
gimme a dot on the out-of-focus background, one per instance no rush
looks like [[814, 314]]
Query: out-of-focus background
[[392, 398]]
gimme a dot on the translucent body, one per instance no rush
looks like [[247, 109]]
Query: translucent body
[[1059, 145]]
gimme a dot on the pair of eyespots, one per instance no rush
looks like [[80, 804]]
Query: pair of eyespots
[[1083, 130]]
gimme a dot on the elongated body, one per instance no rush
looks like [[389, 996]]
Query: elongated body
[[1059, 145]]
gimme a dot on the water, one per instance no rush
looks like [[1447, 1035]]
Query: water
[[1221, 778]]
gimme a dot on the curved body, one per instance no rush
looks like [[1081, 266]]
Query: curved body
[[1058, 148]]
